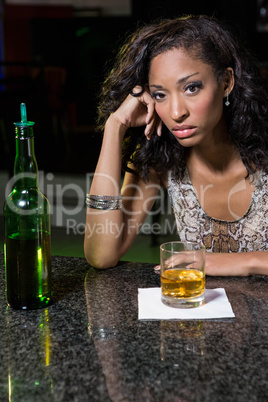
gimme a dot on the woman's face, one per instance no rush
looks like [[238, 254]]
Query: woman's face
[[188, 98]]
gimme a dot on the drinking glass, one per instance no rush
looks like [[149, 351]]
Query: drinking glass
[[182, 274]]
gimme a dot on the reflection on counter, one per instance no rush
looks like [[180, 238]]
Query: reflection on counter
[[34, 340], [89, 344], [181, 340]]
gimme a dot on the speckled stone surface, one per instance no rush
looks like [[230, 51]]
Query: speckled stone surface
[[89, 345]]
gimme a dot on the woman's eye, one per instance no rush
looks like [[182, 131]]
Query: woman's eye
[[193, 88], [158, 96]]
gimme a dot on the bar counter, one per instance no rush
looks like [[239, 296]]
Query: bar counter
[[89, 345]]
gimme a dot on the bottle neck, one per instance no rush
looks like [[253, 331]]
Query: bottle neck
[[25, 166]]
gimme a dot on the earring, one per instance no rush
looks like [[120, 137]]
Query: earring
[[227, 103]]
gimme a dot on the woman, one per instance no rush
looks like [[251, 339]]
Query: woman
[[186, 109]]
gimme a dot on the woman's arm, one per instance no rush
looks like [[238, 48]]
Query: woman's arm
[[110, 233], [237, 264]]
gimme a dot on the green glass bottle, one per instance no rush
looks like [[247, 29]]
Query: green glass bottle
[[27, 228]]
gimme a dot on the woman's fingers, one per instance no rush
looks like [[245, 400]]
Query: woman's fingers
[[152, 120], [154, 125], [137, 91], [150, 108], [159, 127], [183, 260], [157, 269]]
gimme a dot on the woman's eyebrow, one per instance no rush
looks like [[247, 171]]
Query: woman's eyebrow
[[180, 81], [156, 86]]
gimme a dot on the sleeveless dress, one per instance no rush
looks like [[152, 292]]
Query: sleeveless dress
[[246, 233]]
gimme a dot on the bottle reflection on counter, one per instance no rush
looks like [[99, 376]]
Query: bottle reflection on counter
[[29, 352]]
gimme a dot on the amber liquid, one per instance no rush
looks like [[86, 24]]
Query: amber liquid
[[182, 283], [28, 271]]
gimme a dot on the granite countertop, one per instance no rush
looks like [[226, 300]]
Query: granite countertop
[[89, 345]]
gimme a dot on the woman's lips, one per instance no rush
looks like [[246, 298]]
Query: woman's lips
[[183, 131]]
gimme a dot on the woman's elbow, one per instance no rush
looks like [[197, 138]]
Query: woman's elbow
[[99, 260]]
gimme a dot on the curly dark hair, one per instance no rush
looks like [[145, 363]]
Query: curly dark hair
[[210, 41]]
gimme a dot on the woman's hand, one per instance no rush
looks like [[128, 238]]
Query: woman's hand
[[223, 264], [226, 264], [138, 111], [235, 264]]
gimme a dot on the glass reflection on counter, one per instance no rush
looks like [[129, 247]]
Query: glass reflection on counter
[[180, 339], [129, 349]]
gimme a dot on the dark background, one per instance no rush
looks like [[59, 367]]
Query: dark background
[[55, 62]]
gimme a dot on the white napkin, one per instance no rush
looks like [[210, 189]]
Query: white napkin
[[151, 307]]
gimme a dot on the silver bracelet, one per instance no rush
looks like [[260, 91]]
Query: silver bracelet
[[104, 202]]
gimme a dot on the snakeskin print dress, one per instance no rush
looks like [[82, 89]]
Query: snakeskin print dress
[[246, 233]]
